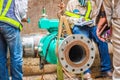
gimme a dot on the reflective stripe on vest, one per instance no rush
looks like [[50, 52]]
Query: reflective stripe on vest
[[89, 8], [71, 14], [87, 14], [8, 20], [1, 5]]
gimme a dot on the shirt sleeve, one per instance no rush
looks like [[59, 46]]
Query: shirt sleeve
[[108, 10], [22, 8]]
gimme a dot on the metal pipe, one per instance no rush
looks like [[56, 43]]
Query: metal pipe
[[76, 53], [30, 44]]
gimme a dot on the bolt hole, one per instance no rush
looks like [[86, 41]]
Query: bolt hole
[[73, 37], [92, 49], [81, 37], [73, 70], [62, 58], [62, 49], [88, 41], [81, 69], [88, 64], [66, 66], [92, 57]]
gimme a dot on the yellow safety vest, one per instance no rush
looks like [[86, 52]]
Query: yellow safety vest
[[8, 20], [87, 15]]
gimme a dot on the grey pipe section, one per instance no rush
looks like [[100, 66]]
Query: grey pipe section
[[30, 44]]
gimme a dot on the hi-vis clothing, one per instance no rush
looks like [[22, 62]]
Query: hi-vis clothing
[[112, 8], [75, 5], [11, 13], [7, 7]]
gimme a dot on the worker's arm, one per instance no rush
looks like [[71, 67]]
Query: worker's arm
[[24, 20], [102, 16], [102, 22], [70, 8], [21, 8]]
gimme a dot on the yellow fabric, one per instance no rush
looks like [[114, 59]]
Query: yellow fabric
[[6, 8], [74, 4], [11, 21], [5, 19], [87, 14], [89, 8], [68, 13], [1, 5]]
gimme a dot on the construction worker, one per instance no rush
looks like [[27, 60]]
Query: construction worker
[[112, 11], [88, 11], [12, 12]]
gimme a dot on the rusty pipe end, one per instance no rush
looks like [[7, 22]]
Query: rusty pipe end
[[76, 53]]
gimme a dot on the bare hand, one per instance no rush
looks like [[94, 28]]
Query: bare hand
[[99, 32], [61, 5], [24, 20], [61, 11], [101, 24]]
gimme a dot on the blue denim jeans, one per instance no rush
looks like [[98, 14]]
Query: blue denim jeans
[[90, 32], [10, 38]]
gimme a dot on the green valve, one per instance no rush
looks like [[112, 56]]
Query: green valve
[[45, 23], [49, 48]]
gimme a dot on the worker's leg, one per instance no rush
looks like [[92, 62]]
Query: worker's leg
[[3, 57], [15, 47], [81, 30], [103, 51]]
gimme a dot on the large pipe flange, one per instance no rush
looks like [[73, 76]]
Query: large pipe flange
[[76, 53]]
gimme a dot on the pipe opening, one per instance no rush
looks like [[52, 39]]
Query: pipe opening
[[77, 53]]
